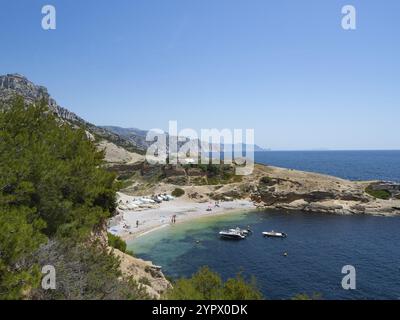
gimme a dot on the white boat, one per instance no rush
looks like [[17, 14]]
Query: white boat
[[157, 199], [146, 200], [232, 234], [274, 234], [245, 232], [138, 202]]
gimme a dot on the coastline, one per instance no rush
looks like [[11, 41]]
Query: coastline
[[186, 210], [267, 188]]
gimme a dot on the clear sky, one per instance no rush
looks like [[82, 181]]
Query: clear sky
[[285, 68]]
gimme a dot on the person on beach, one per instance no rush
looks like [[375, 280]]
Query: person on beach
[[137, 223]]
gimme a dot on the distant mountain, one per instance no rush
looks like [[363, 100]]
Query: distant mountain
[[255, 148], [135, 136], [138, 136], [131, 139], [16, 84]]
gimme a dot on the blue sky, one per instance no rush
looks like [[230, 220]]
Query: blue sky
[[285, 68]]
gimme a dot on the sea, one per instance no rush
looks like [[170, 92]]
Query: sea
[[319, 247]]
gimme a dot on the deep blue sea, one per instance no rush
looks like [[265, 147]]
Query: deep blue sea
[[318, 245], [353, 165]]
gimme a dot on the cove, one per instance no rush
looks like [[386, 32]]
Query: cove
[[318, 246]]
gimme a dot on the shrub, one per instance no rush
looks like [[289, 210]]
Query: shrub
[[54, 170], [208, 285], [379, 194], [265, 180], [116, 242], [85, 273], [304, 296], [53, 186], [145, 281], [178, 192]]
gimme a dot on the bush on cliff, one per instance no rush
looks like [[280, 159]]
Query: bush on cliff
[[379, 194], [52, 186], [53, 170], [208, 285], [84, 273], [116, 242]]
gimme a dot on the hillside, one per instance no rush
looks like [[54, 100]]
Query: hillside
[[268, 186], [271, 188], [138, 137], [55, 198], [16, 84]]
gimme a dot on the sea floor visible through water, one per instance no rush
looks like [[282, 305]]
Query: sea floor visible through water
[[317, 247]]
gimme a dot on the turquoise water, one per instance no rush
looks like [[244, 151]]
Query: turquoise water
[[318, 245]]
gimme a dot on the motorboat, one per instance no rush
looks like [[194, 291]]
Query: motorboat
[[157, 199], [138, 202], [232, 234], [274, 234], [146, 200], [245, 232]]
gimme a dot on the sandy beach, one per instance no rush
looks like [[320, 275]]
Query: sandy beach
[[160, 215]]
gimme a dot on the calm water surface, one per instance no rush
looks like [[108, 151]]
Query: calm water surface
[[353, 165], [318, 245]]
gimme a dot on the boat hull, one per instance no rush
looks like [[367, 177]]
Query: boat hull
[[231, 236], [274, 235]]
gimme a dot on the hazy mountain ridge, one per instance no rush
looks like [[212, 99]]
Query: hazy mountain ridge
[[134, 135], [132, 139], [139, 136], [16, 84]]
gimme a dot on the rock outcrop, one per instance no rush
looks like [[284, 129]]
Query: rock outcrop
[[312, 192], [278, 188], [16, 84], [144, 272]]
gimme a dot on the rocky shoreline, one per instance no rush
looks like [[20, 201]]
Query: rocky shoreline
[[277, 188], [310, 192]]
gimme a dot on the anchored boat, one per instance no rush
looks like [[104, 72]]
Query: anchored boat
[[274, 234], [232, 234], [245, 232]]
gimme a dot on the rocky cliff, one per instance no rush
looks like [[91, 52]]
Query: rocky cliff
[[144, 272], [305, 191], [12, 85], [16, 84]]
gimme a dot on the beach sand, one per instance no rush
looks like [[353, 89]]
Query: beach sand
[[160, 216]]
